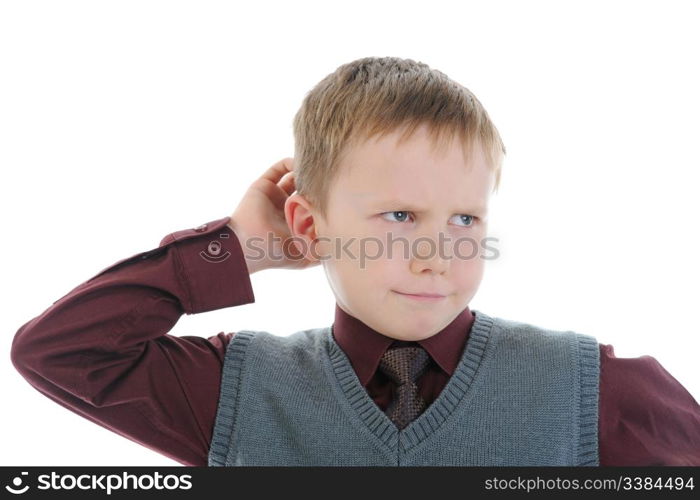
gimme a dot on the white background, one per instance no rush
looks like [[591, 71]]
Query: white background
[[121, 122]]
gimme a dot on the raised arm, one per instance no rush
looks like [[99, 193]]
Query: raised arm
[[103, 350]]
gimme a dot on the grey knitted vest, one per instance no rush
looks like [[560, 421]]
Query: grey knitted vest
[[520, 396]]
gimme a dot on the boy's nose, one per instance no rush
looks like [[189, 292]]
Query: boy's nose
[[429, 254]]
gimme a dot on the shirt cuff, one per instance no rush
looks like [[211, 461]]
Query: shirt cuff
[[211, 267]]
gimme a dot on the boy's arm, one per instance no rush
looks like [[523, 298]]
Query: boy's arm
[[646, 416], [103, 351]]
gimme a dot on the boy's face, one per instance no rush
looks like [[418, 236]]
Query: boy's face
[[404, 193]]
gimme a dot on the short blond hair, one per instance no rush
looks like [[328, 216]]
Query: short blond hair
[[378, 95]]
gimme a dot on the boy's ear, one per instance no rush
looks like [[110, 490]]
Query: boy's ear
[[302, 224]]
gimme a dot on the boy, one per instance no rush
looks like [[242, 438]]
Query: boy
[[394, 165]]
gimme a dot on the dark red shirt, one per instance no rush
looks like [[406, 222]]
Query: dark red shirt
[[103, 351]]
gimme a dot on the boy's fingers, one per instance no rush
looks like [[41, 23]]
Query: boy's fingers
[[277, 171], [287, 183]]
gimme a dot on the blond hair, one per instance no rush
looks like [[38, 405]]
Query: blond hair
[[378, 95]]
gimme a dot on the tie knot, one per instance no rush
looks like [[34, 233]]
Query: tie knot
[[404, 364]]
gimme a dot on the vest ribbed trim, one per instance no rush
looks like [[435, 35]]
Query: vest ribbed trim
[[230, 379], [437, 412], [589, 360]]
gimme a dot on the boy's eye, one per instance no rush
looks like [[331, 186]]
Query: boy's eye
[[401, 215], [467, 220]]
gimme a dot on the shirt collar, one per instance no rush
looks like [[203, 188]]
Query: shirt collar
[[365, 346]]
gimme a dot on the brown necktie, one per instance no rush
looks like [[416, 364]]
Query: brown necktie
[[404, 365]]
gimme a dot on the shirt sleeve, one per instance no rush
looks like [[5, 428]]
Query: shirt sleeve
[[103, 351], [646, 416]]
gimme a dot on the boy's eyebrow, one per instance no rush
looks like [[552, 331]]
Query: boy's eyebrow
[[381, 202]]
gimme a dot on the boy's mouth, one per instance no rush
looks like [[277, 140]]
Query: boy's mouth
[[422, 295]]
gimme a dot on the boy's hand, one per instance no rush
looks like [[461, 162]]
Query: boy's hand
[[260, 225]]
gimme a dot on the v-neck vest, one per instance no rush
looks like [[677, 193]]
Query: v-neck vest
[[521, 395]]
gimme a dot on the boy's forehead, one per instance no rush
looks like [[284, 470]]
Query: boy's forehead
[[375, 179], [376, 161], [475, 203], [378, 172]]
